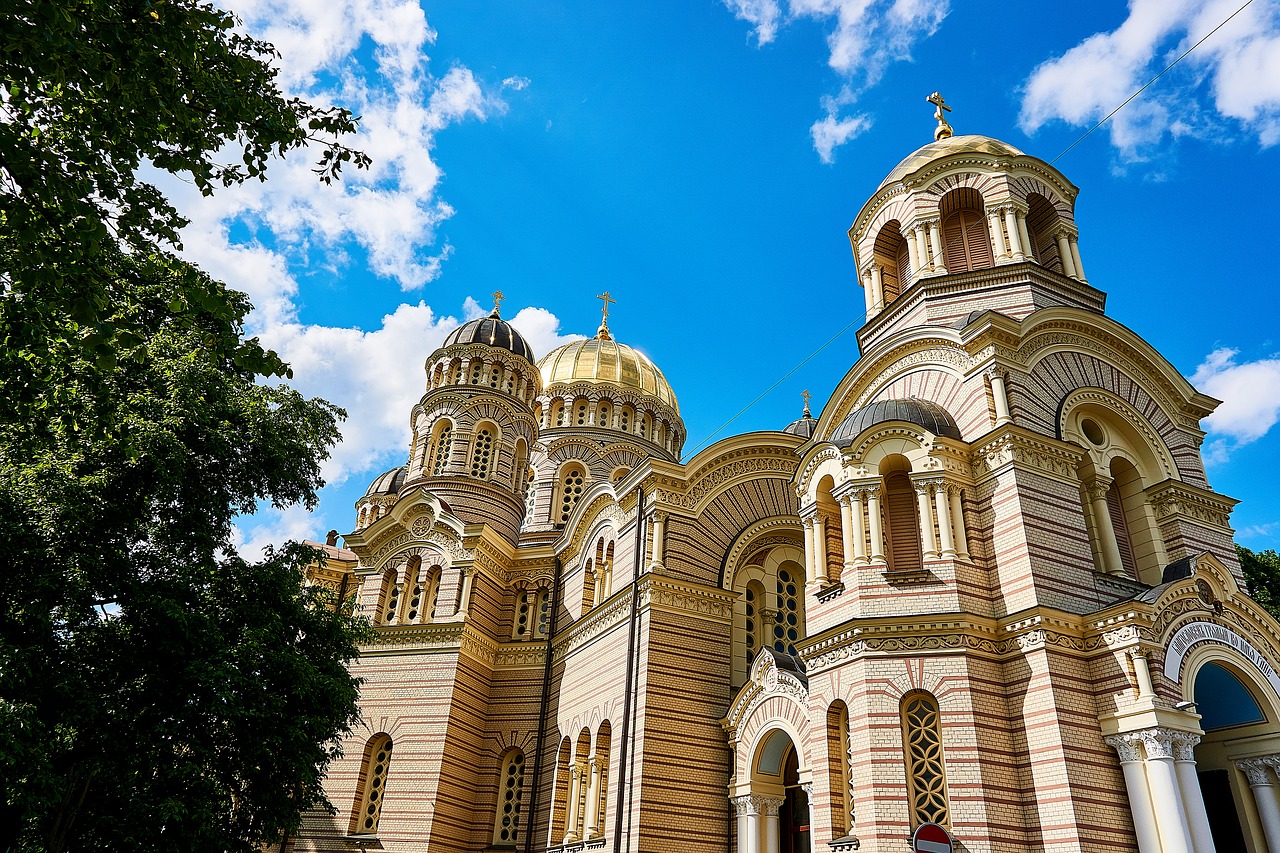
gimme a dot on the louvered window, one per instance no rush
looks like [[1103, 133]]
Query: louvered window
[[902, 523], [968, 242], [1115, 508], [786, 628]]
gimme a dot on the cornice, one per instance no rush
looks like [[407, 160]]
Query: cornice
[[1174, 499], [1017, 446]]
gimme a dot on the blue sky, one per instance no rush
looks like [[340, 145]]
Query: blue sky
[[702, 162]]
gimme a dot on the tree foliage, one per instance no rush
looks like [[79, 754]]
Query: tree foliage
[[1262, 577], [157, 691]]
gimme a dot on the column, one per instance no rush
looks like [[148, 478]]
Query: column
[[913, 254], [928, 541], [1264, 796], [593, 800], [754, 807], [1075, 256], [869, 294], [1016, 247], [746, 815], [877, 526], [939, 260], [810, 550], [659, 541], [1000, 397], [531, 602], [997, 236], [1175, 835], [877, 282], [1184, 763], [846, 529], [772, 839], [947, 544], [922, 249], [1064, 254], [1102, 520], [957, 520], [1135, 783], [820, 548], [859, 530], [464, 597], [575, 800], [1142, 671], [1027, 247], [807, 787]]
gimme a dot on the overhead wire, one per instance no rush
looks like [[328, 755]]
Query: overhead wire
[[1065, 151]]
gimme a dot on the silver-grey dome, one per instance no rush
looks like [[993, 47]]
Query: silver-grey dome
[[388, 483], [913, 410]]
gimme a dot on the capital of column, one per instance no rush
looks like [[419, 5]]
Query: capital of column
[[660, 516], [1158, 743], [767, 806], [743, 805], [1126, 746], [1097, 488], [1065, 230], [807, 787], [866, 491], [1255, 770], [927, 486], [1184, 746]]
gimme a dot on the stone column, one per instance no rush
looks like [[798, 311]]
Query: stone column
[[1064, 254], [999, 397], [877, 526], [946, 545], [997, 236], [1184, 763], [1016, 247], [913, 254], [922, 250], [1135, 783], [464, 596], [868, 292], [846, 529], [1075, 256], [1142, 671], [859, 530], [957, 521], [820, 548], [659, 542], [747, 826], [807, 787], [1261, 782], [810, 549], [939, 259], [877, 282], [575, 800], [769, 805], [928, 542], [1175, 834], [1107, 546], [593, 799], [1027, 248]]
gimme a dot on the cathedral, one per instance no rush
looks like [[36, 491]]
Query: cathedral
[[984, 600]]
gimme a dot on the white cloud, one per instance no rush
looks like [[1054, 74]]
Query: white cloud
[[1235, 74], [516, 83], [1250, 394], [271, 526], [863, 38]]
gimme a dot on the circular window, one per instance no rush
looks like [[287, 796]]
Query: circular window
[[1093, 432]]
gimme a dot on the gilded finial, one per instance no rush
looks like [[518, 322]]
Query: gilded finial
[[497, 302], [805, 393], [603, 332], [943, 130]]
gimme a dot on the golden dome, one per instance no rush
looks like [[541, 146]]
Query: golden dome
[[971, 143], [603, 361]]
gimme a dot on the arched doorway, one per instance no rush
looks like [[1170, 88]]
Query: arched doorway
[[794, 829], [780, 799]]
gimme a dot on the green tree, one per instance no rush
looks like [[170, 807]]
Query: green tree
[[1262, 577], [157, 691]]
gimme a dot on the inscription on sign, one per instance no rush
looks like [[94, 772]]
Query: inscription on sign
[[1208, 632]]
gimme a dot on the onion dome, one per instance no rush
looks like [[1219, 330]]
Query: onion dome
[[926, 154], [388, 483], [806, 425], [922, 413], [493, 331], [603, 361]]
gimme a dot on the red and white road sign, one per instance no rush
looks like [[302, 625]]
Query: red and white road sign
[[931, 838]]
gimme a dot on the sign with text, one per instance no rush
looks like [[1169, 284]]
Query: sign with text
[[1194, 633]]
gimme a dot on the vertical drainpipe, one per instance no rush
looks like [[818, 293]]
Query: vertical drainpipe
[[542, 712], [624, 780]]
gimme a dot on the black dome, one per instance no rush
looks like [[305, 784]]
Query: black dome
[[388, 483], [493, 331], [803, 427], [913, 410]]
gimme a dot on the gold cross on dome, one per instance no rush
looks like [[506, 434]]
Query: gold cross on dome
[[497, 300], [943, 130], [608, 300], [807, 396]]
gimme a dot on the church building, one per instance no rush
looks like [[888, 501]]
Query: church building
[[987, 588]]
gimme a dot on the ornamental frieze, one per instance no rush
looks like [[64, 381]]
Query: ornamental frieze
[[712, 481], [1173, 499], [586, 628], [446, 542], [431, 637], [667, 595], [1058, 460], [519, 655]]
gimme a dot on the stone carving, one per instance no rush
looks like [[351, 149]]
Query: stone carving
[[1158, 743], [1126, 745]]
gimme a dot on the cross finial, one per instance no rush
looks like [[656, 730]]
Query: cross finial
[[603, 331], [943, 130], [805, 393], [497, 301]]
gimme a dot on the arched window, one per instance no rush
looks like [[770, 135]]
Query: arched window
[[556, 414], [833, 544], [573, 480], [753, 628], [482, 450], [441, 447], [519, 472], [455, 372], [580, 413], [604, 415], [890, 252], [524, 614], [431, 593], [902, 523], [926, 771], [506, 824], [964, 231], [389, 606], [509, 382], [495, 376], [600, 767], [618, 474], [372, 786], [544, 612], [838, 768], [588, 586], [787, 626], [1042, 221], [530, 494], [563, 793], [414, 584], [644, 422], [625, 417], [477, 372]]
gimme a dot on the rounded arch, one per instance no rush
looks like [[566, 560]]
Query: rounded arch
[[965, 236], [890, 251], [1043, 222], [486, 437], [440, 447]]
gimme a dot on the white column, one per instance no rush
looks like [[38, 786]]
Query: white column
[[1135, 783], [1264, 796], [1184, 763], [810, 550], [753, 824], [922, 249], [877, 526], [1016, 246], [593, 800], [868, 292], [998, 247], [659, 541], [820, 548], [1000, 397], [928, 541], [859, 530], [957, 521], [1142, 670], [877, 282], [846, 529], [939, 259], [1064, 253], [1111, 563], [947, 544], [807, 787], [1075, 256], [913, 254], [1175, 835], [575, 798], [743, 810], [1027, 249], [464, 597], [772, 839]]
